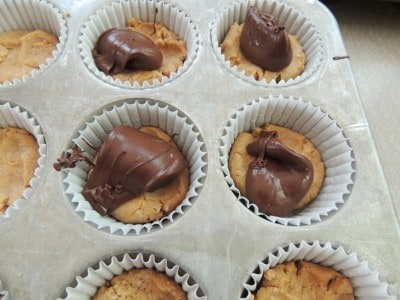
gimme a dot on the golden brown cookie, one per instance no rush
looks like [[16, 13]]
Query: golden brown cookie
[[304, 280], [143, 284], [154, 205], [231, 48], [22, 51], [18, 161], [172, 48], [239, 159]]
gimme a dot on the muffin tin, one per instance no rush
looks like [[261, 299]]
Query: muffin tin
[[4, 295], [217, 240]]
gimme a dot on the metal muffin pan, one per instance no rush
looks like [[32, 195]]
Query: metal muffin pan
[[218, 241]]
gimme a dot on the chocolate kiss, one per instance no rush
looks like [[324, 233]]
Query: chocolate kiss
[[129, 163], [279, 178], [264, 42], [117, 49]]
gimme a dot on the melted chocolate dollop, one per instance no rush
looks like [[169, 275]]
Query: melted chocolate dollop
[[279, 178], [117, 49], [129, 163], [264, 42]]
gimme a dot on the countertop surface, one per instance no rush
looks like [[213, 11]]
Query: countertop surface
[[371, 34]]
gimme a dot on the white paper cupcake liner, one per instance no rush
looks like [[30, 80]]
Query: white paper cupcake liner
[[324, 134], [87, 285], [31, 15], [4, 295], [137, 113], [366, 282], [15, 116], [294, 22], [117, 14]]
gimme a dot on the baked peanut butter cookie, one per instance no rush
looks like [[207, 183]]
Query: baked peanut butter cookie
[[18, 160], [304, 280], [143, 284]]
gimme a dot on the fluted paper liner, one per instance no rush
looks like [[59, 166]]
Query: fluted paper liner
[[136, 113], [366, 282], [87, 285], [15, 116], [31, 15], [294, 22], [323, 132], [117, 14], [4, 294]]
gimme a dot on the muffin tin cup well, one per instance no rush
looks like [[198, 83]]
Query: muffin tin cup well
[[15, 116], [136, 113], [295, 24], [116, 16], [320, 129], [366, 282], [87, 285], [31, 15]]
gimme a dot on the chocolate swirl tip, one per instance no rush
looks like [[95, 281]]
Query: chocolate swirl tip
[[120, 48], [264, 42], [279, 178]]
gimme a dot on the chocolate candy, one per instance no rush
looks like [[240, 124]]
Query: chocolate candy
[[129, 163], [117, 49], [264, 42], [279, 178]]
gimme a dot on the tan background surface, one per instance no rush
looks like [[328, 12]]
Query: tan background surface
[[371, 33]]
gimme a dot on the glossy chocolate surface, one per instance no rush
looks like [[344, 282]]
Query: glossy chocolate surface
[[117, 49], [129, 163], [279, 178], [264, 42]]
